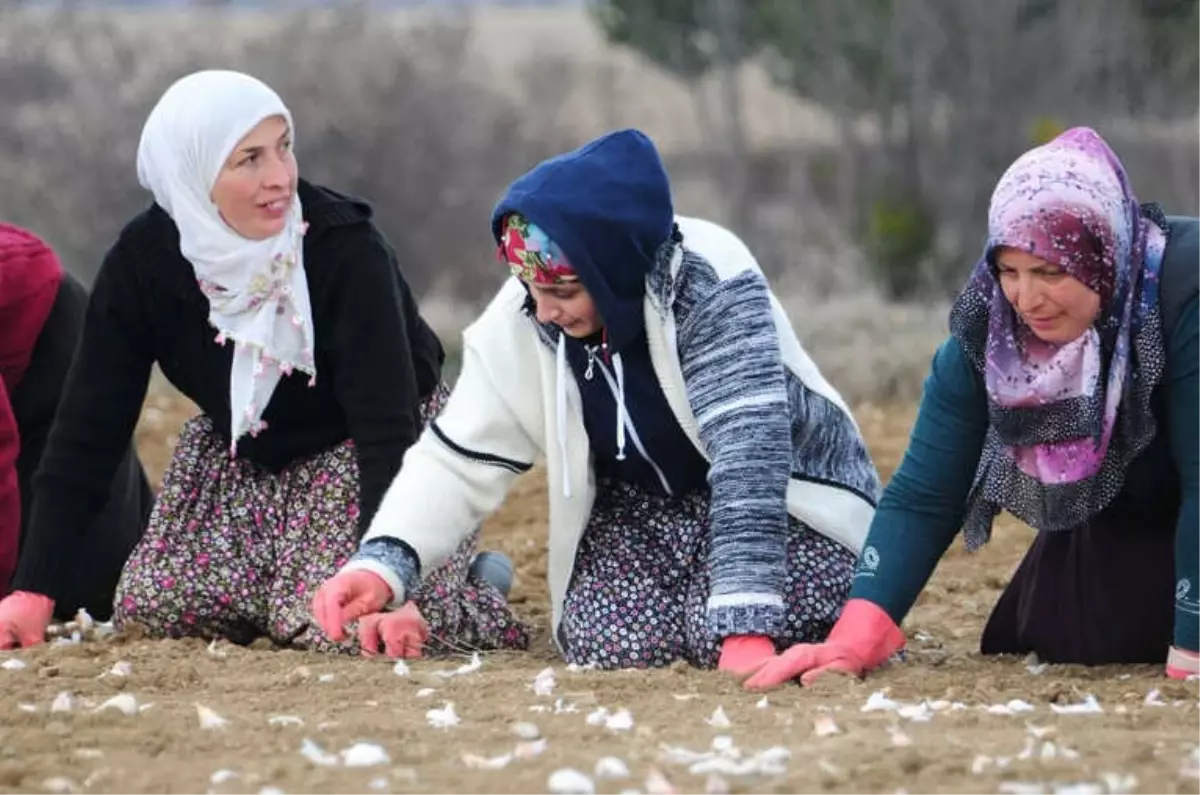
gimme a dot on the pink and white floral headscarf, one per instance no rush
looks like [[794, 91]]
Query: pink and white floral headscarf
[[1066, 420], [257, 290]]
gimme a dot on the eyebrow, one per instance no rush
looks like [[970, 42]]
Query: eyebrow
[[1044, 266], [254, 150]]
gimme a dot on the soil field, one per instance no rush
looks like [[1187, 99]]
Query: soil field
[[183, 716]]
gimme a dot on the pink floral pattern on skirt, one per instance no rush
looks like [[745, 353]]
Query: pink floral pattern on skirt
[[234, 550]]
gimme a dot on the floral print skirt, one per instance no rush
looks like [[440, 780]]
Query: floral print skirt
[[237, 551], [638, 595]]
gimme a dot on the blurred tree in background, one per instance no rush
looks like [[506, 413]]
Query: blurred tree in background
[[889, 121], [933, 99]]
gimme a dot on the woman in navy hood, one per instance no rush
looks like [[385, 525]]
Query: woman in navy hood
[[709, 491]]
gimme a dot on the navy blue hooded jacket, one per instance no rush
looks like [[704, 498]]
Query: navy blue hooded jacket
[[608, 207]]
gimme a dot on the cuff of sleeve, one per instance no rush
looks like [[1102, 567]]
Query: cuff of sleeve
[[392, 561], [1187, 629], [754, 614]]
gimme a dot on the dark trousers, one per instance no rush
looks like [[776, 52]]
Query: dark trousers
[[1099, 594]]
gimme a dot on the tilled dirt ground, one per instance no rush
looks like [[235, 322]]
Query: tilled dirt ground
[[947, 720]]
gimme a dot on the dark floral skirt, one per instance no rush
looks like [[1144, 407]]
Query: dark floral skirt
[[236, 551]]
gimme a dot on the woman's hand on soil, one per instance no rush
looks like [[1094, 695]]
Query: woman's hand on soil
[[402, 633], [742, 655], [24, 617], [1182, 663], [863, 638], [346, 596]]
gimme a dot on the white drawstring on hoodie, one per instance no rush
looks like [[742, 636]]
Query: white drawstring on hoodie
[[560, 399], [624, 419]]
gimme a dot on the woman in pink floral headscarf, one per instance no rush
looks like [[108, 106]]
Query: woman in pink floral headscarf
[[1066, 396]]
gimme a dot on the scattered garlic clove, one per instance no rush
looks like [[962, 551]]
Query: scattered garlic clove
[[723, 744], [719, 719], [61, 785], [443, 718], [13, 664], [63, 702], [84, 621], [316, 754], [119, 668], [878, 701], [365, 755], [597, 717], [122, 702], [825, 726], [474, 665], [477, 762], [1089, 706], [658, 784], [611, 767], [400, 668], [619, 721], [210, 719], [222, 776], [526, 730], [285, 720], [568, 781], [543, 683]]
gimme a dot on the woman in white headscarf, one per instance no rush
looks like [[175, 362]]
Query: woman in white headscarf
[[279, 309]]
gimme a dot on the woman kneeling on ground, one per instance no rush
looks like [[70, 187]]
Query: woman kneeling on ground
[[42, 310], [1066, 395], [278, 308], [709, 490]]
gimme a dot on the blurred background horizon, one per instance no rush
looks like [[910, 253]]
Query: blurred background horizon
[[853, 144]]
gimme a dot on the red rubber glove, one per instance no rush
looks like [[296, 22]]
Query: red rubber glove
[[403, 632], [742, 655], [24, 617], [1182, 663], [862, 639], [346, 596]]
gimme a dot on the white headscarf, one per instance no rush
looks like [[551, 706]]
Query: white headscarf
[[256, 289]]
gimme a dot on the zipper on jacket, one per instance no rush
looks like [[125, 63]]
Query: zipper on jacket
[[593, 351]]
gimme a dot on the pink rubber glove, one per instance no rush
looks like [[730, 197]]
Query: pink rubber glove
[[742, 655], [347, 596], [1182, 663], [24, 617], [403, 632], [862, 639]]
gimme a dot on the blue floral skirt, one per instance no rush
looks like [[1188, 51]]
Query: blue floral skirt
[[638, 595]]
